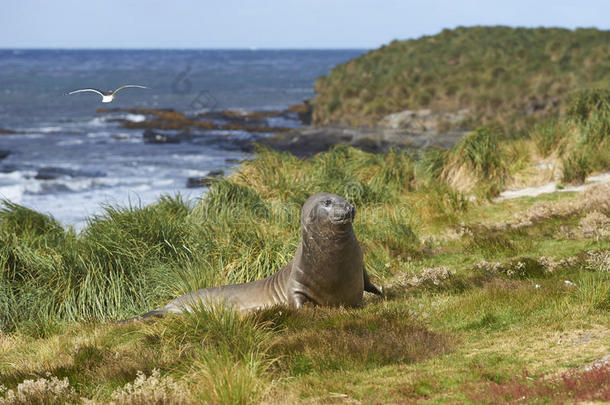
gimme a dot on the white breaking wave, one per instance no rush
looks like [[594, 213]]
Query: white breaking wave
[[46, 130], [97, 122], [193, 173], [13, 193], [135, 117], [70, 142]]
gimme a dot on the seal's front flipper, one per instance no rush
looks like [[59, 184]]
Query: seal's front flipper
[[298, 300], [369, 286]]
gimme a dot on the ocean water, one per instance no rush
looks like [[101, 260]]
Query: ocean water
[[94, 159]]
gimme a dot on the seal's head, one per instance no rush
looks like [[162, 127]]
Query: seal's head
[[327, 211]]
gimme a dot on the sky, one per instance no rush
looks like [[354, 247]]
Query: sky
[[270, 23]]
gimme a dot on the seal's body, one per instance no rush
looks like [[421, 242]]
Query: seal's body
[[327, 268]]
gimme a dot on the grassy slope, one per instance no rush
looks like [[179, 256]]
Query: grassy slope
[[461, 318], [439, 337], [499, 73], [428, 341]]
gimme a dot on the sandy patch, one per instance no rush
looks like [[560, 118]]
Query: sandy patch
[[552, 188]]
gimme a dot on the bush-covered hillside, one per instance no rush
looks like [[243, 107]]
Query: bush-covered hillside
[[503, 75]]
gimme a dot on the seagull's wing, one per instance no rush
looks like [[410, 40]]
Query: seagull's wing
[[91, 90], [126, 86]]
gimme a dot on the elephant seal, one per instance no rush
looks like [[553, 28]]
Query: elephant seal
[[327, 268]]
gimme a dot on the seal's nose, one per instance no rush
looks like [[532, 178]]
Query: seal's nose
[[343, 213]]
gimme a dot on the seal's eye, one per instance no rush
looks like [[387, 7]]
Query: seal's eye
[[327, 203]]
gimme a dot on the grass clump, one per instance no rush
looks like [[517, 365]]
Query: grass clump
[[585, 104], [59, 275], [230, 353], [477, 162], [575, 168], [549, 137], [588, 114], [18, 220]]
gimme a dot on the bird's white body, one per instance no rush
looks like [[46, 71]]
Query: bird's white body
[[107, 96]]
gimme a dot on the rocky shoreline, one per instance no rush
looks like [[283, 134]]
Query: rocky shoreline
[[228, 120], [307, 141], [408, 129], [287, 130]]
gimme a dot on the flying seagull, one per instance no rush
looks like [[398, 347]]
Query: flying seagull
[[107, 96]]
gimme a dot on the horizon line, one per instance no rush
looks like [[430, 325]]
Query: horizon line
[[252, 49]]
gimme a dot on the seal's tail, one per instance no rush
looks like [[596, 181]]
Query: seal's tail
[[156, 313]]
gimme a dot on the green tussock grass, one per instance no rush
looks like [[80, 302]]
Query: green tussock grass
[[588, 118], [486, 161], [504, 75], [472, 298]]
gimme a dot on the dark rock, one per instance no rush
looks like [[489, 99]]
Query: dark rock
[[4, 131], [305, 143], [425, 120], [303, 111], [8, 168], [4, 153], [227, 141], [257, 120], [253, 128], [204, 181], [52, 173], [371, 145], [119, 137], [150, 136]]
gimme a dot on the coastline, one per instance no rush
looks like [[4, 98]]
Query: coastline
[[304, 140]]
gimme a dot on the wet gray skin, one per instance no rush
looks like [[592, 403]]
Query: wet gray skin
[[327, 268]]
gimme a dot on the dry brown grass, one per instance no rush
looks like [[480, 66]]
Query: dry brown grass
[[598, 260], [595, 225], [152, 390], [49, 390], [533, 169], [435, 277]]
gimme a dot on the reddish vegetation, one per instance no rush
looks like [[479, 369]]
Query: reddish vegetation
[[572, 386], [369, 340], [300, 108]]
